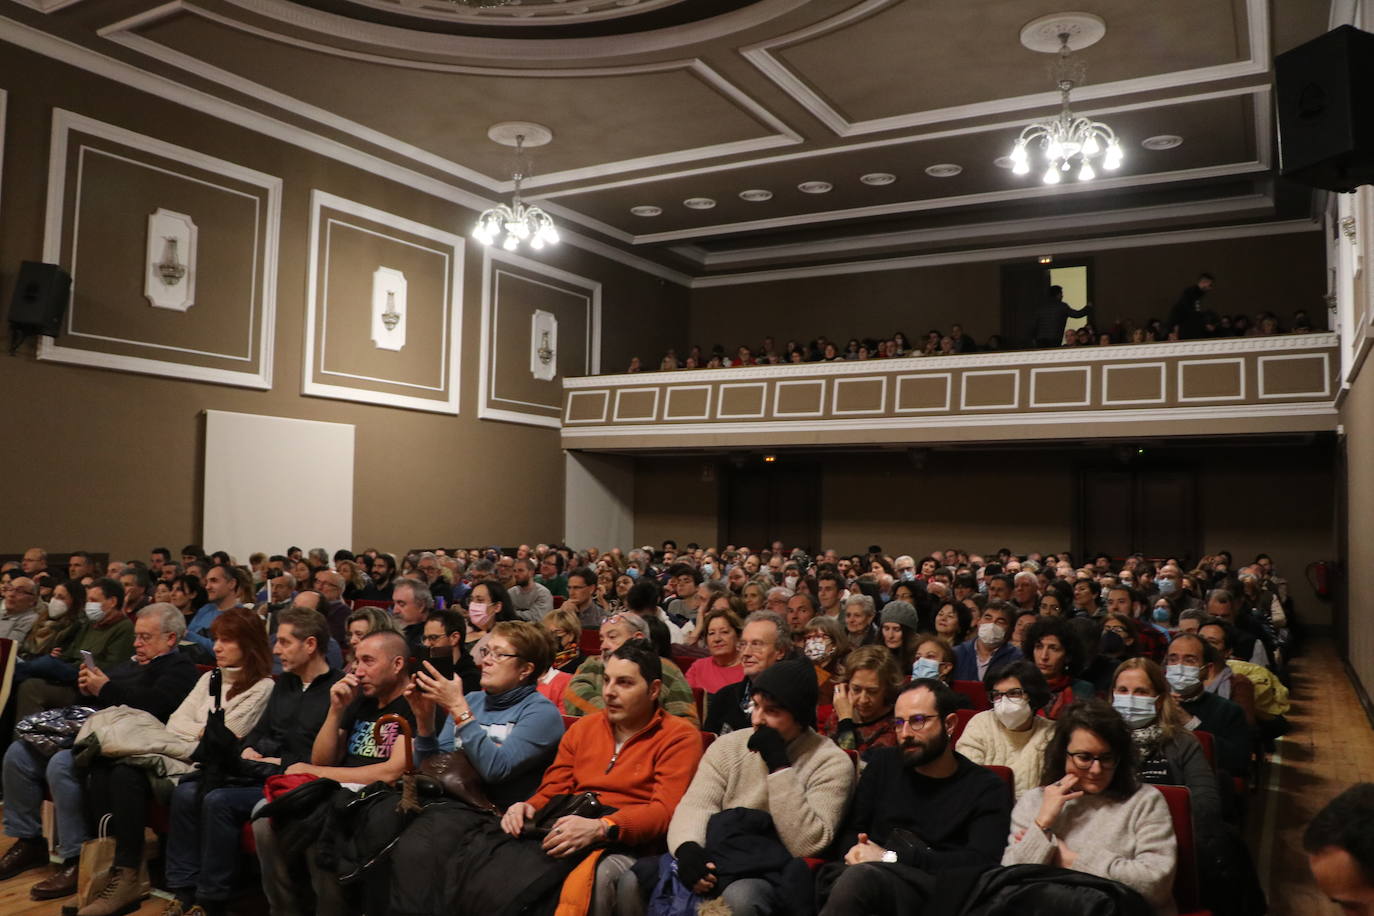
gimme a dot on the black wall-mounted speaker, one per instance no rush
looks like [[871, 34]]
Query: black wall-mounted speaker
[[40, 298], [1325, 95]]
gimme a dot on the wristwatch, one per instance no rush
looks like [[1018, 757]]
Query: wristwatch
[[890, 856], [612, 829], [464, 719]]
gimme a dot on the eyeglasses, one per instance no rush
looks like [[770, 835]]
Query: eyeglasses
[[430, 639], [1119, 631], [1015, 693], [490, 655], [1084, 761], [915, 723]]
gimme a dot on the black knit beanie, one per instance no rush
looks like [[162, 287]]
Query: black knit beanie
[[791, 683]]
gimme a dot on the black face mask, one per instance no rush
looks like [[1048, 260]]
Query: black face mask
[[1112, 643]]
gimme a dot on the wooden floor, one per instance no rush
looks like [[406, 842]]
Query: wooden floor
[[1331, 746]]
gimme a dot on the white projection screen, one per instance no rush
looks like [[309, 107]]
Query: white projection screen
[[248, 503]]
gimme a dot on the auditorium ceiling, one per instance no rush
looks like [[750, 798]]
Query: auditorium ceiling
[[837, 109]]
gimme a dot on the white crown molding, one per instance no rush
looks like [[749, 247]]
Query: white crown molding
[[316, 298], [781, 135], [4, 101], [761, 56], [485, 388], [1074, 418], [1067, 246], [573, 49], [1121, 353], [47, 6], [506, 16], [1237, 206], [263, 330], [83, 58]]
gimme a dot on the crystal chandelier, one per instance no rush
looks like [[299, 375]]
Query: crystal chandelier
[[518, 222], [1067, 140]]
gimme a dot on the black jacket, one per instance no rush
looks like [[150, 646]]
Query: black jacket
[[743, 843], [157, 687], [1225, 721], [292, 719], [725, 710]]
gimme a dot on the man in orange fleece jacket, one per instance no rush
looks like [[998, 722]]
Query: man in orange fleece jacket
[[638, 760]]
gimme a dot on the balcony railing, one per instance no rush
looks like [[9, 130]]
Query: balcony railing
[[1246, 385]]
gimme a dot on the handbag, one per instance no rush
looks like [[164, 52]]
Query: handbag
[[97, 859], [582, 804], [453, 774], [52, 730]]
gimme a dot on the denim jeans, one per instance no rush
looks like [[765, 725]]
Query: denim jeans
[[203, 842], [26, 773]]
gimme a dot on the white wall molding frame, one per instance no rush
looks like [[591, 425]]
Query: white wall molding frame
[[262, 317], [75, 55], [761, 56], [491, 257], [317, 298], [4, 97]]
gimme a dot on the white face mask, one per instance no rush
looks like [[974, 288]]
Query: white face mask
[[816, 649], [1184, 679], [925, 667], [790, 582], [1137, 711], [94, 611], [57, 608], [1011, 712], [992, 635]]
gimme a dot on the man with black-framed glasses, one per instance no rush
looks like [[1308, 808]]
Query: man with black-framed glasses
[[920, 808]]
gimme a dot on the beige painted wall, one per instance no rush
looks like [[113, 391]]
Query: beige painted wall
[[103, 460], [1278, 273], [1357, 415]]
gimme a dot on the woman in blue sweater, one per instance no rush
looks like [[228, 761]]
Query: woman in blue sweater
[[507, 729]]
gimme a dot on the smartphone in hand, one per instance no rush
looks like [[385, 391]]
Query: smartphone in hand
[[88, 659]]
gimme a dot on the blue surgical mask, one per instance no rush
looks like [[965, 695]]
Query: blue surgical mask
[[1160, 615], [925, 667], [1137, 711], [707, 569], [1166, 586], [632, 573], [908, 575], [1184, 679]]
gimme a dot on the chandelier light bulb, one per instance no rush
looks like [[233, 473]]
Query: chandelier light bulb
[[1018, 153], [1090, 147], [1113, 158], [1086, 173], [1051, 175], [1021, 168], [511, 243]]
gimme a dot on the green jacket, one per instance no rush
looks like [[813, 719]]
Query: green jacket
[[583, 694], [110, 645]]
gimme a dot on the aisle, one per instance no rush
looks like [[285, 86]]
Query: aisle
[[1330, 747]]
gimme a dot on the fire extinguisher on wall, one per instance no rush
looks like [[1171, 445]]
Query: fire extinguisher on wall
[[1320, 575]]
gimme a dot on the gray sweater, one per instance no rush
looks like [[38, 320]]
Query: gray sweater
[[1130, 841], [806, 799]]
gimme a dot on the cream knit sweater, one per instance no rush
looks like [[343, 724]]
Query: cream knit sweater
[[1130, 841], [806, 799], [987, 743]]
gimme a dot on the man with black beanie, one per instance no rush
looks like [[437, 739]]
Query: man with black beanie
[[781, 767], [920, 809]]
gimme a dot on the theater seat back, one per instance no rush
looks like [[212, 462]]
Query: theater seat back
[[1186, 896], [964, 715], [975, 691]]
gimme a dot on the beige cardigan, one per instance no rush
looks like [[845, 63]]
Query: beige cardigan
[[987, 742]]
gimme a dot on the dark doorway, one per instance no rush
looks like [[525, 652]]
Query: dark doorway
[[1151, 511], [772, 501], [1025, 287]]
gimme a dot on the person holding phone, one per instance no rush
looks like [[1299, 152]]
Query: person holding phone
[[1092, 813], [50, 681]]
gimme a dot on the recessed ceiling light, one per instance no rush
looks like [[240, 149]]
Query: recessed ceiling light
[[877, 179], [815, 187], [698, 203], [1003, 162], [1163, 141], [944, 170], [646, 210], [756, 195]]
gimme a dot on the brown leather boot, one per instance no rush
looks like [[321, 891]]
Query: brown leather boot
[[61, 883], [22, 856], [120, 895]]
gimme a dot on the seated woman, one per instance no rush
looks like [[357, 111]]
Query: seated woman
[[858, 621], [507, 729], [862, 715], [188, 595], [1011, 734], [361, 624], [123, 786], [488, 604], [57, 626], [901, 632], [1058, 654], [953, 621], [566, 631], [825, 645], [721, 667], [1093, 814]]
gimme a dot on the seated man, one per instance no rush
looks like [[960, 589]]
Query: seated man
[[49, 682], [344, 750], [203, 844], [1339, 843], [765, 641], [920, 808], [19, 600], [156, 679], [780, 767], [990, 648], [221, 588], [1187, 667], [584, 693]]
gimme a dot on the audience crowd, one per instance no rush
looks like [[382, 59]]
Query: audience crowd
[[637, 731]]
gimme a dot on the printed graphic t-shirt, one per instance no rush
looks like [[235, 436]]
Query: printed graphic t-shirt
[[360, 747]]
